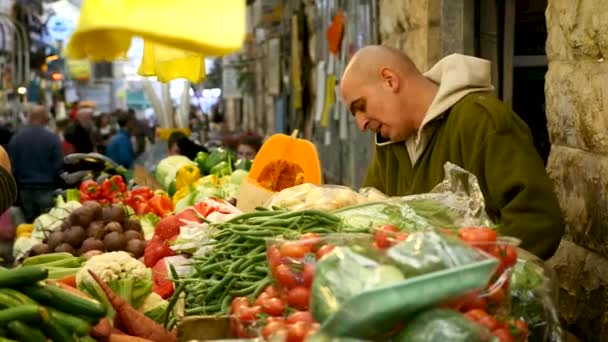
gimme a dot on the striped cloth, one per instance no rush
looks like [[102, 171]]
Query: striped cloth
[[8, 190]]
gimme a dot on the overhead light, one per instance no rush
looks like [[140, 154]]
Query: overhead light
[[52, 58], [22, 90], [56, 76]]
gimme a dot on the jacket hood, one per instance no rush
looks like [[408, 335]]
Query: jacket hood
[[457, 76]]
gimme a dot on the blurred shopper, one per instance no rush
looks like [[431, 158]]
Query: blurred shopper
[[120, 148], [60, 128], [172, 146], [249, 145], [105, 130], [80, 132], [37, 157]]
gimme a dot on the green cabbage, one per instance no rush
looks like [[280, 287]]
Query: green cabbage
[[166, 170]]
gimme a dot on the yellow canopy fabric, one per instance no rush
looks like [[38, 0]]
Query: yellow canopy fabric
[[200, 27], [168, 63]]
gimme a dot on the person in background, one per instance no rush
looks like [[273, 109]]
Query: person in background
[[60, 128], [249, 145], [172, 146], [120, 148], [80, 132], [37, 158], [105, 131]]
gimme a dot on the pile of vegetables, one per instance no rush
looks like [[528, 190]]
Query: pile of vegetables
[[93, 229], [60, 265], [31, 310], [234, 264], [80, 167]]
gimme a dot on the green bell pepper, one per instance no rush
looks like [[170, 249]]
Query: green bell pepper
[[200, 160], [221, 169], [215, 158], [243, 164]]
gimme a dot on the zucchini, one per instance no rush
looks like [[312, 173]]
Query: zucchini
[[17, 296], [46, 258], [7, 301], [59, 299], [23, 332], [61, 272], [55, 331], [72, 324], [73, 262], [22, 276], [26, 313]]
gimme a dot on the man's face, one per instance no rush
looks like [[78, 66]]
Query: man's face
[[377, 107]]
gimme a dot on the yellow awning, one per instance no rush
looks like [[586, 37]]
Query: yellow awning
[[167, 63]]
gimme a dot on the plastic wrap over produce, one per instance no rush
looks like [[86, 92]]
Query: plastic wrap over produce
[[455, 202], [310, 196]]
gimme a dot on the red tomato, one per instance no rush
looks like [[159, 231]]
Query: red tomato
[[238, 303], [297, 332], [323, 251], [381, 238], [522, 328], [475, 314], [489, 322], [308, 274], [250, 314], [262, 298], [478, 236], [474, 302], [310, 240], [274, 257], [300, 316], [273, 306], [271, 291], [272, 328], [503, 335], [497, 296], [299, 297], [294, 250], [285, 276], [507, 254]]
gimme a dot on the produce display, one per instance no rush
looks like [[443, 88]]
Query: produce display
[[80, 167]]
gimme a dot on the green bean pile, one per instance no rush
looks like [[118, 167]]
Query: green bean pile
[[236, 265]]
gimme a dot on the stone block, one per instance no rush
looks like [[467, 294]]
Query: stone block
[[401, 16], [582, 190], [582, 300], [576, 101], [577, 29]]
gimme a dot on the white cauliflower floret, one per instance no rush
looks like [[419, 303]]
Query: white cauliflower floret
[[113, 266]]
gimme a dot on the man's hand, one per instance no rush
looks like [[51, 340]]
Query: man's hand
[[5, 161]]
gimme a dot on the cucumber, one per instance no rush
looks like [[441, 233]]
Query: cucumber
[[72, 324], [25, 333], [26, 275], [53, 296], [61, 272], [56, 331], [17, 296], [25, 313], [46, 258], [73, 262], [7, 301]]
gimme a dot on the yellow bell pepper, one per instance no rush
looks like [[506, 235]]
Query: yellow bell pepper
[[187, 175], [24, 230], [181, 193]]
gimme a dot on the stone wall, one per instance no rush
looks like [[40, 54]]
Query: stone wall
[[576, 92]]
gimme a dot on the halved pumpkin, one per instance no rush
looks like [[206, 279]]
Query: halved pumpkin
[[282, 162]]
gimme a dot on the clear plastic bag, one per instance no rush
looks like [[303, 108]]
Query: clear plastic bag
[[309, 196], [455, 202]]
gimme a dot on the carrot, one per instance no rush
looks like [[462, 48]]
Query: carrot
[[102, 330], [69, 280], [71, 289], [136, 323], [126, 338]]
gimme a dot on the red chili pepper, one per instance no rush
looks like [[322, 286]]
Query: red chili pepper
[[90, 188], [161, 205]]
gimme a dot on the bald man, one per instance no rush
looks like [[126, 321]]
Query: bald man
[[448, 114], [37, 157]]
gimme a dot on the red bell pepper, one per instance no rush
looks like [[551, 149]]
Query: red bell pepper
[[112, 186], [161, 205], [90, 189], [156, 250], [143, 191], [119, 182], [141, 208]]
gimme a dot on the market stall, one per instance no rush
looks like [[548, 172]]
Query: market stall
[[307, 262]]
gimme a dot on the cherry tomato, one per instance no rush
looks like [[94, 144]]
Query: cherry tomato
[[503, 335], [507, 254], [381, 238], [299, 297], [285, 276], [300, 316], [262, 298], [480, 237], [310, 240], [238, 303], [474, 302], [522, 328], [323, 251], [475, 314], [250, 314], [272, 328], [497, 296], [294, 250], [271, 291], [489, 322], [297, 332], [274, 257], [273, 306], [308, 274]]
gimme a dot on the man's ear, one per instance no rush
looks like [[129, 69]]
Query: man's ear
[[390, 80]]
